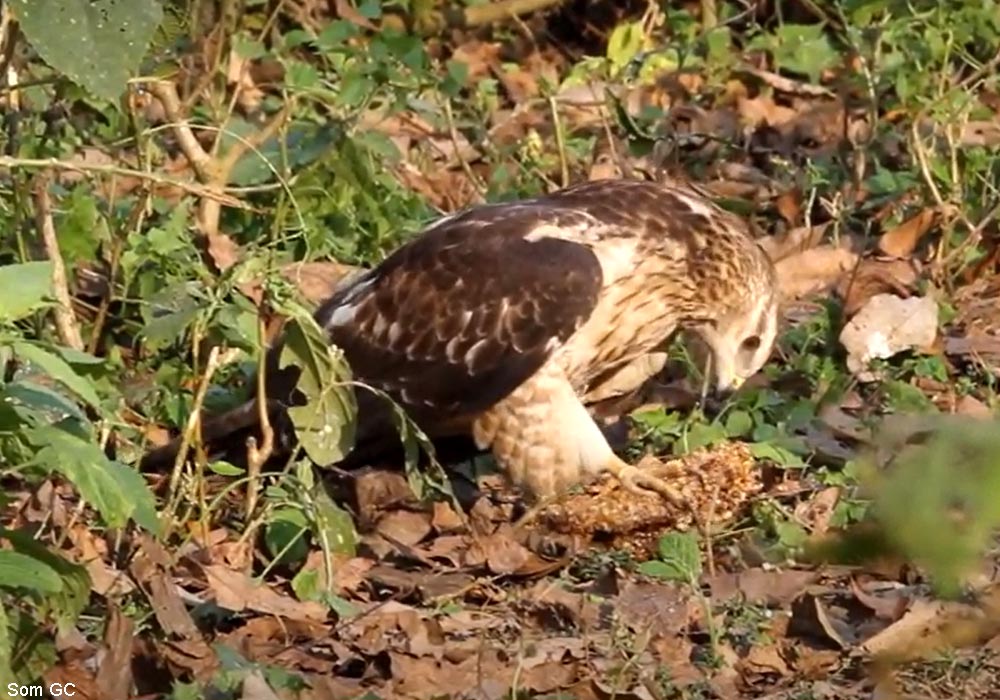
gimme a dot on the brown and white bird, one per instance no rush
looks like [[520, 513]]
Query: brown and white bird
[[496, 321]]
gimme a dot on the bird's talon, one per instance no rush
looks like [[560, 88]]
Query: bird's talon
[[639, 481]]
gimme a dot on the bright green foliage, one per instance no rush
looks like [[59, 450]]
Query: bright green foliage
[[27, 287], [938, 498], [96, 43], [325, 424], [679, 559]]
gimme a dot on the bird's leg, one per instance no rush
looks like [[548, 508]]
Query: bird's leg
[[641, 481]]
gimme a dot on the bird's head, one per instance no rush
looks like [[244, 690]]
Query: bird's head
[[739, 328], [740, 341]]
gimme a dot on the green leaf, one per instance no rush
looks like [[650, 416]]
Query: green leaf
[[624, 43], [285, 534], [58, 369], [71, 599], [306, 584], [704, 435], [98, 44], [37, 403], [325, 424], [116, 491], [81, 228], [334, 526], [658, 569], [33, 649], [738, 423], [224, 468], [681, 557], [938, 501], [21, 571], [27, 287], [775, 453]]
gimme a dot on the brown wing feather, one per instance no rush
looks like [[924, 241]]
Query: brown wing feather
[[455, 320]]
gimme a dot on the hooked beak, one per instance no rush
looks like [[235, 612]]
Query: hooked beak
[[726, 386]]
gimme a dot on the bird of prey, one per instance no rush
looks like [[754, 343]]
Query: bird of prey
[[497, 320]]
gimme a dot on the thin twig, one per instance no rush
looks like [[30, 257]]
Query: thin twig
[[256, 457], [203, 164], [212, 365], [66, 325], [105, 169], [560, 142], [466, 168]]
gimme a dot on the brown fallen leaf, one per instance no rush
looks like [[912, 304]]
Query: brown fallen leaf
[[236, 591], [317, 280], [75, 671], [817, 511], [932, 626], [345, 10], [428, 584], [501, 552], [763, 659], [444, 519], [149, 568], [812, 620], [189, 656], [789, 205], [969, 405], [793, 241], [114, 677], [813, 271], [256, 688], [901, 241], [890, 607], [774, 588], [660, 609], [405, 527], [875, 276]]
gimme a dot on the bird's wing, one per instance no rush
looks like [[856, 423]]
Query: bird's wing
[[455, 320]]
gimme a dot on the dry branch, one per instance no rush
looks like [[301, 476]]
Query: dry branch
[[66, 325]]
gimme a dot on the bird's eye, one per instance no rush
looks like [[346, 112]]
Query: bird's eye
[[751, 344]]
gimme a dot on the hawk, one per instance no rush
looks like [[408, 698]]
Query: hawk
[[496, 321]]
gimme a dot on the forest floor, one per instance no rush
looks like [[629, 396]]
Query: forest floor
[[846, 496]]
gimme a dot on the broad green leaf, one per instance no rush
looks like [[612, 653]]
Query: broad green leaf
[[39, 404], [26, 288], [704, 435], [81, 228], [137, 492], [659, 569], [325, 425], [738, 423], [775, 453], [285, 535], [33, 649], [58, 369], [681, 557], [306, 584], [116, 491], [625, 42], [224, 468], [22, 571], [98, 44], [334, 526], [69, 601]]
